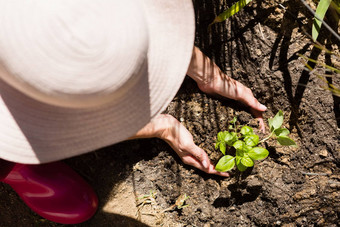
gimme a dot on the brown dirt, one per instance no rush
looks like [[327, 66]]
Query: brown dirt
[[292, 187]]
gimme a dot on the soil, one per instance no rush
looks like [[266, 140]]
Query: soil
[[260, 47]]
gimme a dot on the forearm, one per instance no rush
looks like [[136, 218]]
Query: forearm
[[202, 69], [210, 78], [155, 128]]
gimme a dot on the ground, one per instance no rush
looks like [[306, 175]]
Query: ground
[[137, 181]]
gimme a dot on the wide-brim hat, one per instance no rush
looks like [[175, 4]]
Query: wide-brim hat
[[78, 75]]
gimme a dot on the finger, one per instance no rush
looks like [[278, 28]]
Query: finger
[[199, 159], [212, 170], [200, 155], [256, 105], [193, 161], [261, 125], [190, 160], [259, 117], [246, 97]]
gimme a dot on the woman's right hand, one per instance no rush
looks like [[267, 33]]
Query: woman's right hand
[[179, 138]]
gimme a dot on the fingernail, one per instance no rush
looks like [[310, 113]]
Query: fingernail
[[263, 106], [205, 164]]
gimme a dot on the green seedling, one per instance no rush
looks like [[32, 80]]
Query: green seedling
[[146, 199], [245, 143], [180, 201], [179, 204]]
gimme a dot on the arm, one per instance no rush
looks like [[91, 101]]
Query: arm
[[210, 79], [179, 138]]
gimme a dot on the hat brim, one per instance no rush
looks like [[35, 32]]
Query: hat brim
[[33, 132]]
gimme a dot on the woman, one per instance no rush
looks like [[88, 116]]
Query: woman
[[78, 75]]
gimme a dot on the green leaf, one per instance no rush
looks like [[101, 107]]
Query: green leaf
[[285, 141], [239, 145], [222, 148], [246, 148], [226, 163], [217, 145], [231, 11], [281, 132], [238, 159], [220, 136], [251, 140], [230, 138], [239, 153], [276, 122], [258, 153], [320, 12], [246, 130], [241, 167], [247, 161]]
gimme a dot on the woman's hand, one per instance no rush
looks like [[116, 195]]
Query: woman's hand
[[210, 79], [179, 138]]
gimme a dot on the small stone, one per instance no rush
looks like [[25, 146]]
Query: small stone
[[258, 52], [289, 225], [335, 177], [136, 167], [323, 153], [285, 160], [277, 10], [321, 221], [333, 186], [328, 171], [304, 194], [280, 150], [232, 208], [253, 182], [301, 221]]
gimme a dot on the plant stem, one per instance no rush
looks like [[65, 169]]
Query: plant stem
[[265, 139]]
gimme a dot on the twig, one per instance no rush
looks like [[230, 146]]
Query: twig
[[260, 28], [315, 174]]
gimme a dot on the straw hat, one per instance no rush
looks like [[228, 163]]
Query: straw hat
[[78, 75]]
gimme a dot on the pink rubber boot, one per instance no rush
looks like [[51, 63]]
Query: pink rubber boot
[[53, 190]]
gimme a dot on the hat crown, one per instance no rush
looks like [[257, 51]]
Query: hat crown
[[73, 53]]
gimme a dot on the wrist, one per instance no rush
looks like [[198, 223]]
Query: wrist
[[161, 123], [157, 127], [204, 71]]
